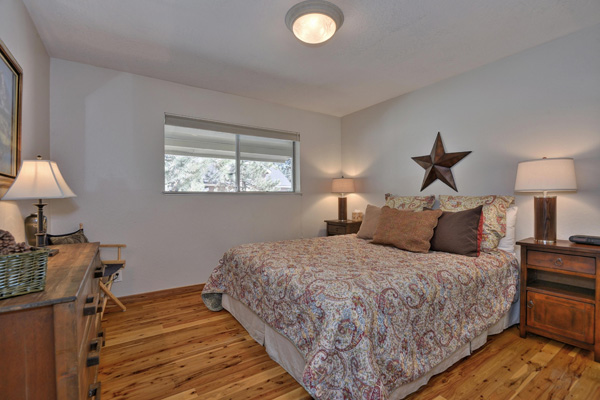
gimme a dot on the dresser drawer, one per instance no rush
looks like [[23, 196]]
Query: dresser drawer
[[561, 316], [563, 262]]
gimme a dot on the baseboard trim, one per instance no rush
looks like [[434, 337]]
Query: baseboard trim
[[133, 298]]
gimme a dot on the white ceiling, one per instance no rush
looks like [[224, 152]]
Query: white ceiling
[[385, 48]]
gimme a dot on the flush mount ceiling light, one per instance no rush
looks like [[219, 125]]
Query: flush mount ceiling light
[[314, 21]]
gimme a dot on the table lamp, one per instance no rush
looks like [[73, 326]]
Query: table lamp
[[545, 175], [342, 186], [39, 179]]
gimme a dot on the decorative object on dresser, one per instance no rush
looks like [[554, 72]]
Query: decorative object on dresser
[[560, 292], [438, 164], [50, 341], [342, 186], [357, 215], [31, 226], [22, 268], [11, 76], [342, 227], [545, 175], [39, 179]]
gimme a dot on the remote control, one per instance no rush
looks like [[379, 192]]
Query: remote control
[[583, 239]]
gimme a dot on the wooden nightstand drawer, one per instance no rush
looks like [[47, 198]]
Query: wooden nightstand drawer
[[342, 227], [560, 316], [336, 230], [586, 265]]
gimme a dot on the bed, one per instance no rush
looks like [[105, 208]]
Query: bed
[[349, 319]]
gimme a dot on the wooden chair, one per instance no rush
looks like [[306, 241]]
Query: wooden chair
[[111, 267]]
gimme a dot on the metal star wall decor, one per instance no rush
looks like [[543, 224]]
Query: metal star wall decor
[[437, 164]]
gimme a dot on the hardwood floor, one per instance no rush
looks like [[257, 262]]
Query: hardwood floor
[[169, 346]]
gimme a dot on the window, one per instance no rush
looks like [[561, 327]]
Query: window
[[210, 156]]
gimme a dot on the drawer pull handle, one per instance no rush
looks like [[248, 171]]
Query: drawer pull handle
[[91, 305], [101, 337], [93, 358], [94, 390], [94, 344], [558, 262], [530, 304], [99, 272]]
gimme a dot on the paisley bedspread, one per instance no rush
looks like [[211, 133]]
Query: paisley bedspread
[[367, 318]]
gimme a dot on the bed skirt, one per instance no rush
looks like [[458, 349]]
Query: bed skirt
[[283, 351]]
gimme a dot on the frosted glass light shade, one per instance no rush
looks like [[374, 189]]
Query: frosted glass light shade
[[342, 185], [314, 28], [314, 21], [546, 175], [39, 179]]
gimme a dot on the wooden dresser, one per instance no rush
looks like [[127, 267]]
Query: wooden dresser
[[50, 341], [560, 292]]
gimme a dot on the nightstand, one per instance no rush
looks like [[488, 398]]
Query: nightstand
[[560, 292], [342, 227]]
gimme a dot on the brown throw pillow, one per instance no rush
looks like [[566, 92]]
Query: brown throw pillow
[[369, 223], [68, 238], [406, 230], [457, 232]]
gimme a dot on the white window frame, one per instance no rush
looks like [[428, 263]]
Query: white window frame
[[237, 130]]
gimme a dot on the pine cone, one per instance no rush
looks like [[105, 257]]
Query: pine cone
[[6, 239], [8, 245]]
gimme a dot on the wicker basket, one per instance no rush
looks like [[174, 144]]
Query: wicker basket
[[23, 273]]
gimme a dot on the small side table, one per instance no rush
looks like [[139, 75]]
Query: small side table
[[560, 292], [342, 227]]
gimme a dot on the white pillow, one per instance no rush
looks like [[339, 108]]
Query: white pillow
[[507, 243]]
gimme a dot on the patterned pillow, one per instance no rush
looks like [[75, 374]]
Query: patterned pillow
[[493, 214], [406, 230], [68, 238], [413, 203]]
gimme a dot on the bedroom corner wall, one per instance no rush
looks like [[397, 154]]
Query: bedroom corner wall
[[21, 38], [541, 102], [107, 138]]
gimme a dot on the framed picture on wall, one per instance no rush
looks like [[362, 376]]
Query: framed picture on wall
[[11, 88]]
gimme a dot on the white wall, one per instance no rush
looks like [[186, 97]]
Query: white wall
[[107, 138], [542, 102], [21, 38]]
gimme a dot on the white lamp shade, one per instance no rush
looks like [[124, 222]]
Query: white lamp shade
[[546, 175], [39, 179], [342, 185]]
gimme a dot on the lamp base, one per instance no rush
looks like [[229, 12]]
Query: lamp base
[[544, 209], [40, 236], [342, 208]]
